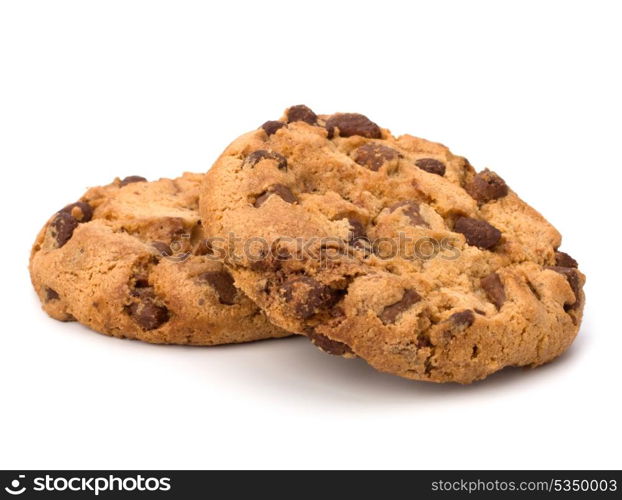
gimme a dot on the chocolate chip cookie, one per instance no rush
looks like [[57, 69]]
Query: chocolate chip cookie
[[391, 249], [129, 260]]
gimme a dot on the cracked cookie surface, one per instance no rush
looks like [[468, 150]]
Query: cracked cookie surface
[[129, 260], [391, 249]]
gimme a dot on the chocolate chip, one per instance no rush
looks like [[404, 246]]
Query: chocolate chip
[[373, 155], [390, 313], [564, 260], [131, 179], [271, 126], [142, 281], [62, 227], [265, 263], [280, 190], [80, 210], [463, 318], [307, 295], [328, 345], [50, 294], [357, 231], [261, 154], [493, 286], [410, 210], [487, 186], [573, 280], [350, 124], [423, 341], [431, 165], [162, 248], [204, 247], [222, 283], [280, 253], [301, 113], [337, 312], [148, 314], [477, 232]]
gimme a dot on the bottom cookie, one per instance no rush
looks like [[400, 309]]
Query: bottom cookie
[[129, 260]]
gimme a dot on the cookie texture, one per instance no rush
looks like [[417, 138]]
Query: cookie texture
[[129, 260], [391, 249]]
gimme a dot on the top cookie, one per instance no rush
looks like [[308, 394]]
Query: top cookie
[[129, 260], [390, 248]]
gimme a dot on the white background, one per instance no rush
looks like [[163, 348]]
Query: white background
[[92, 90]]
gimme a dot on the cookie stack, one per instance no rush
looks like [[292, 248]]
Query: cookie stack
[[391, 249]]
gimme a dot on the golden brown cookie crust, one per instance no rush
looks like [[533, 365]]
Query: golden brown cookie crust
[[494, 293], [128, 260]]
